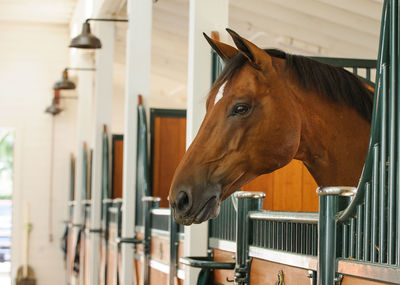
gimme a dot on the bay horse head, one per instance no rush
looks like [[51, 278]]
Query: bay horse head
[[265, 109]]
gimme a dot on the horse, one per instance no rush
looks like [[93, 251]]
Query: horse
[[266, 108]]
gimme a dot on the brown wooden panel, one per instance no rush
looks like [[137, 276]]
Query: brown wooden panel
[[180, 254], [169, 144], [117, 161], [112, 252], [310, 197], [350, 280], [291, 188], [266, 272], [220, 276], [159, 249], [158, 277], [263, 183], [137, 272], [262, 271], [287, 188]]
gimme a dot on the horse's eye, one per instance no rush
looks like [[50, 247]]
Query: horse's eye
[[240, 109]]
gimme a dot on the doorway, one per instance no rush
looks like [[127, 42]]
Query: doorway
[[6, 187]]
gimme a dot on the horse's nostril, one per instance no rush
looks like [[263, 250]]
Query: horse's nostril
[[182, 201]]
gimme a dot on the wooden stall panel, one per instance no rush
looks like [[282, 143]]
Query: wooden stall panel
[[169, 145], [102, 262], [160, 249], [137, 272], [262, 271], [350, 280], [112, 253], [291, 188], [221, 276], [158, 277], [117, 164]]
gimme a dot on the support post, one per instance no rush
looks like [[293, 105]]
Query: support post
[[329, 202], [85, 94], [102, 117], [204, 16], [138, 60]]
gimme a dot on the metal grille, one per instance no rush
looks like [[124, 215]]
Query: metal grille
[[159, 220], [113, 215], [370, 231], [224, 226], [286, 236], [87, 210]]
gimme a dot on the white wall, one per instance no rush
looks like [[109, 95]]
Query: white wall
[[32, 57]]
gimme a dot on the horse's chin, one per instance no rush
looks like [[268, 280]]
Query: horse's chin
[[209, 211]]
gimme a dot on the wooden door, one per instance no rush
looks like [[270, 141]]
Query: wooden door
[[291, 188], [117, 164], [168, 145]]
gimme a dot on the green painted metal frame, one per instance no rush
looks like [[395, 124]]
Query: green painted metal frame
[[84, 171]]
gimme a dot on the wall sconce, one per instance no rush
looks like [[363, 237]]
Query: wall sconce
[[55, 109], [64, 83], [86, 40]]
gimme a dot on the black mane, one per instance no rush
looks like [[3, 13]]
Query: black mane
[[336, 84]]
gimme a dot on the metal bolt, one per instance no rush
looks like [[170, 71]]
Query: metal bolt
[[339, 279], [310, 274]]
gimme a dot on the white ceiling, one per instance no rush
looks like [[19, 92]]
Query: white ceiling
[[40, 11], [311, 27]]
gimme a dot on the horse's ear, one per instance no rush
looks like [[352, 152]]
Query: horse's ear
[[226, 52], [257, 56]]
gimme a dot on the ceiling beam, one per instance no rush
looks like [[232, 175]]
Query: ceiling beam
[[303, 22], [366, 8], [333, 14]]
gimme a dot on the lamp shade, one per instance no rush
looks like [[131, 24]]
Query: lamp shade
[[86, 39], [64, 82], [53, 109]]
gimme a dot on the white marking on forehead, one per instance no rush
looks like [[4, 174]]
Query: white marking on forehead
[[220, 93]]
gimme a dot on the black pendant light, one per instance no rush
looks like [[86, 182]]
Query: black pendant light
[[64, 83], [86, 40]]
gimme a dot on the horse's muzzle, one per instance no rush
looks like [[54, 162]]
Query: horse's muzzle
[[193, 210]]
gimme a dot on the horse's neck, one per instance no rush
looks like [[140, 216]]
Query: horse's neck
[[334, 142]]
